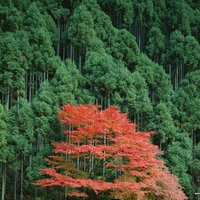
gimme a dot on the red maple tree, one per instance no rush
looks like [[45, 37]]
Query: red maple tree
[[103, 151]]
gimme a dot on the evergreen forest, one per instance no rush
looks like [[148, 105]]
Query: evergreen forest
[[142, 56]]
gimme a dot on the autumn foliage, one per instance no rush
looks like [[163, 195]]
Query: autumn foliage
[[104, 152]]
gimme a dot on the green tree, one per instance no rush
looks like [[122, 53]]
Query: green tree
[[195, 167], [65, 83], [43, 54], [179, 160], [156, 44], [191, 58], [81, 28], [101, 77], [162, 123], [175, 51], [158, 15], [4, 149], [11, 19], [177, 16], [80, 32], [159, 86], [20, 124], [124, 95], [103, 26], [12, 70], [187, 101], [124, 48], [120, 12]]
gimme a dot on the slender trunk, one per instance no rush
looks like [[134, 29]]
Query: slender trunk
[[96, 101], [108, 100], [38, 142], [26, 83], [36, 82], [79, 61], [105, 102], [78, 160], [3, 98], [15, 186], [104, 159], [64, 45], [101, 102], [194, 144], [58, 44], [7, 98], [176, 78], [3, 187], [181, 72], [22, 178], [138, 121], [66, 190], [30, 156], [47, 75], [71, 51], [170, 73], [160, 145], [30, 86], [35, 192], [139, 39]]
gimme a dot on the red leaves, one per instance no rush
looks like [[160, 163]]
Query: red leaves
[[109, 138], [77, 194]]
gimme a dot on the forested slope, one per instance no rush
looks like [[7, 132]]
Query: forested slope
[[141, 56]]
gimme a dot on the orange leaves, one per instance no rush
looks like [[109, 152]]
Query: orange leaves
[[169, 185], [77, 194], [81, 115], [100, 140]]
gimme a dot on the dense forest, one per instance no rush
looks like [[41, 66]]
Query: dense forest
[[141, 56]]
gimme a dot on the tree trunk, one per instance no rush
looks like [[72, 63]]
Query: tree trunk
[[64, 45], [58, 44], [7, 103], [22, 178], [30, 155], [78, 160], [176, 79], [15, 186], [104, 160], [29, 95], [26, 84], [79, 60], [3, 187]]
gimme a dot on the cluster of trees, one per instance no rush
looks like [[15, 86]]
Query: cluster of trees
[[141, 56]]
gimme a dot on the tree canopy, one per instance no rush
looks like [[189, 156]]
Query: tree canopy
[[141, 57], [108, 138]]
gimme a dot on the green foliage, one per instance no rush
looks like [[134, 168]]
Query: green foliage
[[192, 48], [156, 44], [3, 135], [175, 51], [162, 123], [81, 28], [65, 83], [177, 16], [101, 73], [159, 86], [33, 19], [11, 20], [124, 48], [178, 158], [20, 119], [120, 46]]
